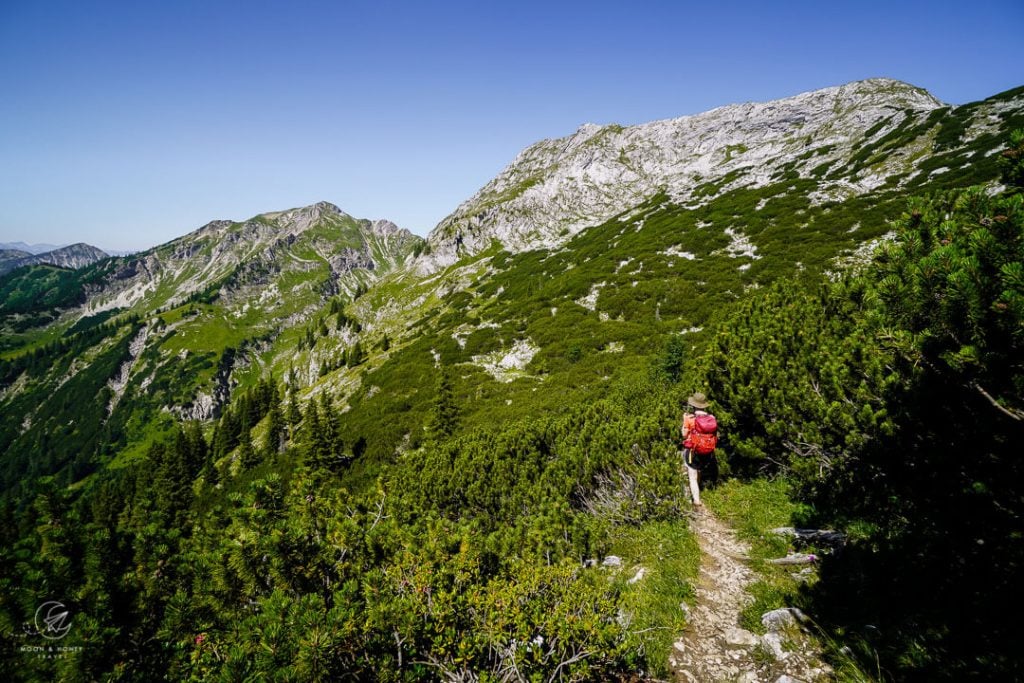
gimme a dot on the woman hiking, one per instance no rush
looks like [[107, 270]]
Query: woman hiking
[[700, 437]]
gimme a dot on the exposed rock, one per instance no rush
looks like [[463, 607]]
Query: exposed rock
[[720, 598], [612, 561], [203, 407], [506, 365], [72, 256], [783, 618], [233, 260], [118, 382], [555, 188], [818, 536], [772, 642], [794, 558], [735, 635], [804, 575], [12, 255], [348, 260], [638, 576]]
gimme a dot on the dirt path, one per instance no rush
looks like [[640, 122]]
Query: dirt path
[[714, 647], [705, 652]]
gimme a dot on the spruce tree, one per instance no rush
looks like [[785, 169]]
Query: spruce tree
[[444, 413], [294, 413], [671, 364], [332, 444], [355, 355], [247, 457], [275, 430], [314, 440]]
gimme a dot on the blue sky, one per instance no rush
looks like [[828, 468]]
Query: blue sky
[[126, 124]]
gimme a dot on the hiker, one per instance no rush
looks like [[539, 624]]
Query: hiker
[[700, 437]]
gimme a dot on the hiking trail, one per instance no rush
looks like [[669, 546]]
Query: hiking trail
[[714, 646]]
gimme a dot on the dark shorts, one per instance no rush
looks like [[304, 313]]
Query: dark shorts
[[697, 462]]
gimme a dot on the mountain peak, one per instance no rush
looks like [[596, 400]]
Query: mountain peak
[[893, 91], [588, 130], [317, 210], [72, 256], [558, 187], [325, 207]]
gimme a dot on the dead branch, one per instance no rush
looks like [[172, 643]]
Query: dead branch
[[807, 558], [1008, 412], [823, 536]]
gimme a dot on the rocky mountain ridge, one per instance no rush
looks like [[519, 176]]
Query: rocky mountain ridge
[[76, 255], [226, 254], [555, 188]]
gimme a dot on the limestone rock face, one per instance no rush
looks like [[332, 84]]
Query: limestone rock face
[[237, 257], [556, 188]]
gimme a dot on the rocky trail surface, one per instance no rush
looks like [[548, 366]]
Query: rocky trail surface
[[715, 647]]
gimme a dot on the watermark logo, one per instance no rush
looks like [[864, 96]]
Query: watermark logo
[[53, 620]]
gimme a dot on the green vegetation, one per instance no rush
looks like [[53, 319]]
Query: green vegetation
[[416, 479], [731, 150], [467, 555], [33, 296], [892, 399]]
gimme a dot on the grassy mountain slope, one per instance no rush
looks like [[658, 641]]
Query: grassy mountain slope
[[602, 304], [169, 325], [314, 445]]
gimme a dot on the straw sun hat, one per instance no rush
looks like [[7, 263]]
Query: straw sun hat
[[698, 400]]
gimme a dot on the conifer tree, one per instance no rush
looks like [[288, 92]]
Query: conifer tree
[[355, 355], [673, 358], [199, 450], [1011, 161], [247, 457], [172, 477], [315, 446], [330, 424], [444, 413], [294, 413], [275, 430]]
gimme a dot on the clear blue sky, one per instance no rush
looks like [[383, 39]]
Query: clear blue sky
[[126, 124]]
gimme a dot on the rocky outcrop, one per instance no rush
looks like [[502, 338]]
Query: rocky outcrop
[[237, 259]]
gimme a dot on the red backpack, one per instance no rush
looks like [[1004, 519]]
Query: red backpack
[[703, 438]]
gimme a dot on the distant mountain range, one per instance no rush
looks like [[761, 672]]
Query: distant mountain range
[[72, 256], [29, 248]]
